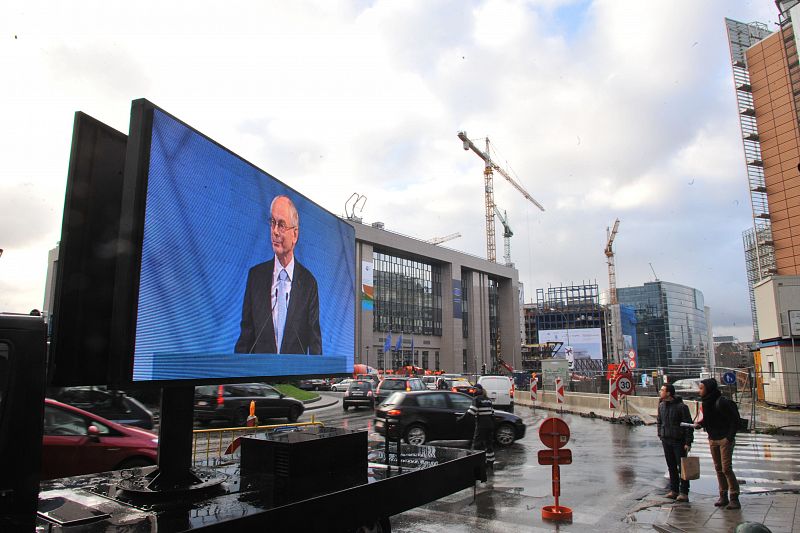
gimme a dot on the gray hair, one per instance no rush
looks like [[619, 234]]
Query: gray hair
[[292, 210]]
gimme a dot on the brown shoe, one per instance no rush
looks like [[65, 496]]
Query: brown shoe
[[734, 503], [682, 498], [723, 500], [672, 495]]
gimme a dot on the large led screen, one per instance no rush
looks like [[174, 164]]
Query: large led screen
[[240, 276], [583, 347]]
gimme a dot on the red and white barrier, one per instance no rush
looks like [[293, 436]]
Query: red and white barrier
[[559, 390], [534, 390], [613, 395]]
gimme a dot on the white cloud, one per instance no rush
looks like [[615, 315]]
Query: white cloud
[[603, 108]]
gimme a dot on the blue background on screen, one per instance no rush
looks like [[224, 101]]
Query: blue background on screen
[[206, 224]]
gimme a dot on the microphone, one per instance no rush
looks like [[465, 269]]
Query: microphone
[[268, 317]]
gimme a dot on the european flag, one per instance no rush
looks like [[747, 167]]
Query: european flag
[[388, 343], [399, 342]]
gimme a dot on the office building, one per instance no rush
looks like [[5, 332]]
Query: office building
[[671, 326], [767, 81], [433, 307]]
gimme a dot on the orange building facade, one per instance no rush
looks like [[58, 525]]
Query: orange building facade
[[777, 119]]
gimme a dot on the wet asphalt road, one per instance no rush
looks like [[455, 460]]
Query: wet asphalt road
[[614, 467]]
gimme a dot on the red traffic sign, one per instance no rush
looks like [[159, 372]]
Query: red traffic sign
[[624, 384], [623, 368], [554, 433], [555, 457]]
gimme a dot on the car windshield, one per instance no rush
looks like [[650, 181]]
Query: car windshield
[[393, 384]]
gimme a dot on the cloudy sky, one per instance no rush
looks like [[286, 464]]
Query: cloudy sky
[[603, 109]]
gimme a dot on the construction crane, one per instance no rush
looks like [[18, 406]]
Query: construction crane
[[488, 179], [440, 240], [507, 234], [612, 273]]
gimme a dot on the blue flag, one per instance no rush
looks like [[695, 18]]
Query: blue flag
[[388, 343], [412, 346], [399, 342]]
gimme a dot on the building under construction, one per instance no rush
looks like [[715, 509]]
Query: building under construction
[[569, 315], [759, 246]]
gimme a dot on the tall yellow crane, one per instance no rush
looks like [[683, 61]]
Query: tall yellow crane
[[612, 273], [488, 180]]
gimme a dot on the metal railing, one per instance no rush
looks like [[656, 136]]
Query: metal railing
[[212, 444]]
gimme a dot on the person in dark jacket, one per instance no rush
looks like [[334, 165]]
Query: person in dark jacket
[[483, 413], [675, 439], [720, 421]]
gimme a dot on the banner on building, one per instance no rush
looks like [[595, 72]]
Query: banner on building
[[457, 309], [367, 288]]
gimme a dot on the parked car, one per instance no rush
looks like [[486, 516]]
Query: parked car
[[688, 389], [77, 442], [342, 385], [359, 394], [420, 417], [112, 405], [499, 389], [314, 384], [392, 384], [232, 403]]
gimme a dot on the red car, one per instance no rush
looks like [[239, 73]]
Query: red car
[[76, 442]]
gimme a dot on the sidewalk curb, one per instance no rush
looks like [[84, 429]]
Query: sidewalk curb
[[329, 403]]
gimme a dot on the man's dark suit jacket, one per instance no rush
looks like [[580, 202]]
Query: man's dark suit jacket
[[301, 334]]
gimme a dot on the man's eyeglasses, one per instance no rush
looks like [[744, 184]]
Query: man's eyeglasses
[[281, 225]]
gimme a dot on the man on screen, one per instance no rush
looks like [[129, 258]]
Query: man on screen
[[280, 312]]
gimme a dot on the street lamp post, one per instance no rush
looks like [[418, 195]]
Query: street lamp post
[[367, 350]]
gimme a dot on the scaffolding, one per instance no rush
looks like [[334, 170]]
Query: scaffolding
[[758, 244]]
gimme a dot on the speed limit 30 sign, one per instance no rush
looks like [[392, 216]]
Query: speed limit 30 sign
[[624, 385]]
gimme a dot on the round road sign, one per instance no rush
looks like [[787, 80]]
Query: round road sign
[[624, 385], [729, 378], [554, 433]]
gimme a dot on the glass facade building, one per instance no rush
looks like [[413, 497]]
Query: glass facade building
[[671, 325]]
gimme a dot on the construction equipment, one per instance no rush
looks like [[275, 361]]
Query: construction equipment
[[488, 179], [507, 234], [612, 274], [440, 240], [655, 277], [350, 209]]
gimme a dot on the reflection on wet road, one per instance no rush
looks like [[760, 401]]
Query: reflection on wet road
[[613, 466]]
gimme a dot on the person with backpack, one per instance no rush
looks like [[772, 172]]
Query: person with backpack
[[675, 439], [721, 421]]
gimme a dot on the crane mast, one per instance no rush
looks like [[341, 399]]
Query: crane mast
[[507, 234], [612, 273], [488, 185]]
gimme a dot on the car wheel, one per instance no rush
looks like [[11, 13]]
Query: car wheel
[[294, 414], [416, 435], [504, 435], [345, 406], [134, 462]]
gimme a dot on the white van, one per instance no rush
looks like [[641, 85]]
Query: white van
[[499, 389]]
